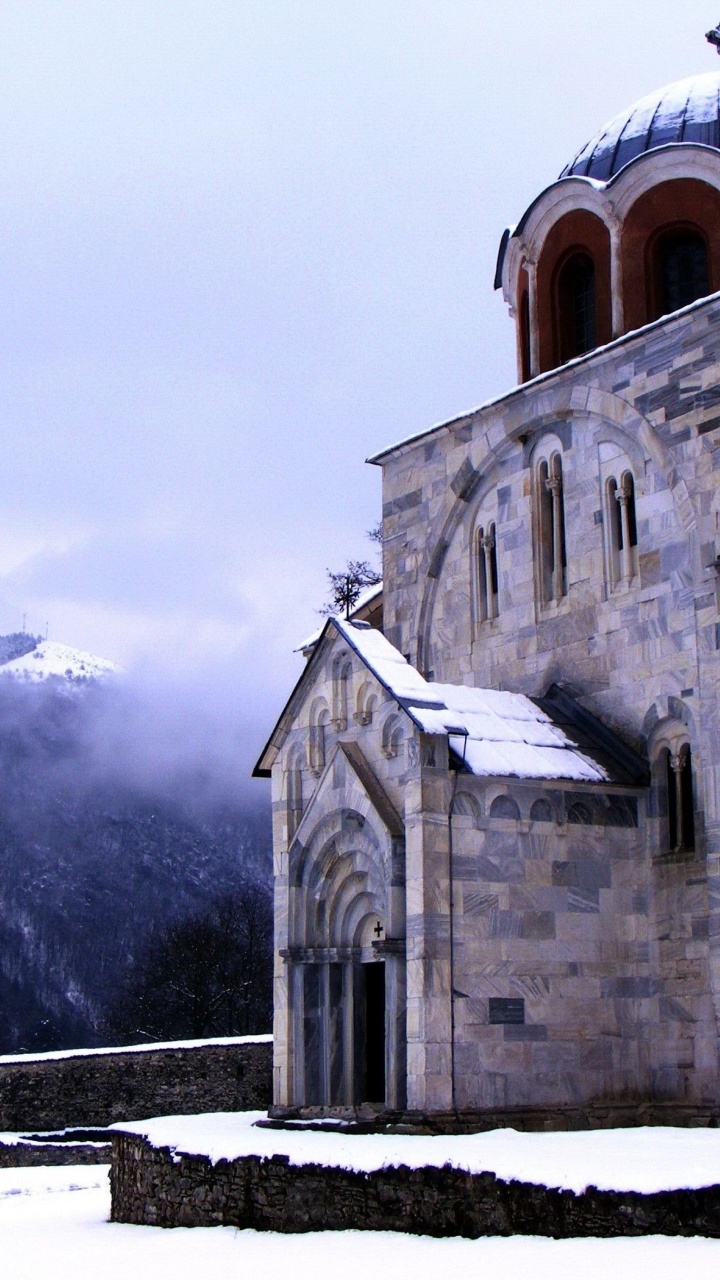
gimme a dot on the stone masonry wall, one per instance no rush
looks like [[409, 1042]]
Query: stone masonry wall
[[99, 1089], [150, 1188]]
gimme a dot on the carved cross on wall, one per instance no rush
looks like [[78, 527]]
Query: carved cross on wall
[[713, 37], [378, 929]]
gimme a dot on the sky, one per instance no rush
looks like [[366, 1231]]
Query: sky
[[244, 244]]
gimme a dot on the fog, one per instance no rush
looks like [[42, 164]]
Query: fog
[[245, 245]]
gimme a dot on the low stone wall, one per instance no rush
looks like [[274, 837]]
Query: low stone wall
[[97, 1089], [22, 1155], [151, 1188]]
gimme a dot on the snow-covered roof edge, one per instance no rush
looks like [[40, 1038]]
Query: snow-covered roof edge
[[504, 734]]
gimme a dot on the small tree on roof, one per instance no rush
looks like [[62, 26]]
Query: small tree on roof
[[346, 587]]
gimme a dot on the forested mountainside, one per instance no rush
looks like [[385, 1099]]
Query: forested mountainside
[[94, 868]]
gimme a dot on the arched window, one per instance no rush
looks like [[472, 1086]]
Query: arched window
[[681, 270], [576, 306], [294, 794], [319, 728], [621, 525], [542, 811], [487, 572], [342, 676], [552, 559], [680, 801], [504, 807]]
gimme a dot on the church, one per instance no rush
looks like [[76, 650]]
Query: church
[[496, 787]]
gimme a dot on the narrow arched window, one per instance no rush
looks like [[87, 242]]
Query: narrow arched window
[[294, 795], [576, 307], [682, 270], [680, 799], [487, 572], [551, 530], [319, 728], [342, 676], [621, 522]]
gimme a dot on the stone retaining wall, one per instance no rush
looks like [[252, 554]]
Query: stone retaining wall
[[98, 1089], [21, 1155], [151, 1188]]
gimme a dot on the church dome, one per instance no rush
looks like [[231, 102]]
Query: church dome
[[687, 111]]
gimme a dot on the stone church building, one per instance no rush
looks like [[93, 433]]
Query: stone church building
[[496, 798]]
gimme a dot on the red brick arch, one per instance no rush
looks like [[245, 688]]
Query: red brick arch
[[579, 232], [678, 204]]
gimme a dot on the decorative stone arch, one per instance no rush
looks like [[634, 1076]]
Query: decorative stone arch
[[560, 405], [341, 910], [504, 806], [468, 806], [366, 703], [393, 735]]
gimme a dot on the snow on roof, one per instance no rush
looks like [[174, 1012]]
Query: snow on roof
[[50, 658], [643, 1160], [497, 733]]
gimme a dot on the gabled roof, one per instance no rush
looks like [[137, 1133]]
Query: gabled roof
[[495, 733]]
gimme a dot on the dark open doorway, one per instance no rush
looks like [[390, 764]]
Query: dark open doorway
[[374, 1029]]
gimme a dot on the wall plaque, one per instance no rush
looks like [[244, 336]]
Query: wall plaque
[[507, 1011]]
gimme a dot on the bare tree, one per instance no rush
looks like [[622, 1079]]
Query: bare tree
[[346, 586], [210, 975]]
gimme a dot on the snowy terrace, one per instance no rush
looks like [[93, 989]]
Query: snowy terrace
[[644, 1160]]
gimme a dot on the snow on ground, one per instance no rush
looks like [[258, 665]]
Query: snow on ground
[[9, 1058], [645, 1160], [54, 1226], [53, 659]]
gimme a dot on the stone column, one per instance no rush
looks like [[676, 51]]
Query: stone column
[[616, 278], [282, 977], [626, 572], [427, 797], [531, 268], [488, 545], [554, 486]]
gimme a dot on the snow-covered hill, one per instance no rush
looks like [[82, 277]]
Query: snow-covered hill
[[50, 658]]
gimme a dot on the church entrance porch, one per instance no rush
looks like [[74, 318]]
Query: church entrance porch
[[343, 1049]]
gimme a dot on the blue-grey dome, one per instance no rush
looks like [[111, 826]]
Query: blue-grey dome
[[688, 111]]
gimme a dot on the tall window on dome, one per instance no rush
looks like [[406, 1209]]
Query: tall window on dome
[[576, 306], [682, 271]]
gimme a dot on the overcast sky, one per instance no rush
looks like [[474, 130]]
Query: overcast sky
[[243, 245]]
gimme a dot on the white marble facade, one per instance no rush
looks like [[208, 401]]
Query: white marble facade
[[456, 936]]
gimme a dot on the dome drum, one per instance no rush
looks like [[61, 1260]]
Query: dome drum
[[628, 233]]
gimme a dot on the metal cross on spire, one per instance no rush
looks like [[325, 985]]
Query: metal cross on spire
[[714, 37]]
